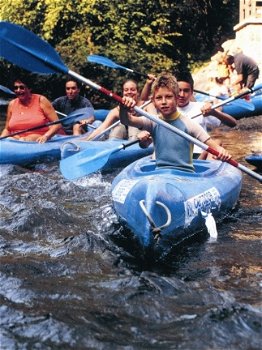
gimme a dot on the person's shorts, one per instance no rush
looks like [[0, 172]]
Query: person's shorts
[[251, 79]]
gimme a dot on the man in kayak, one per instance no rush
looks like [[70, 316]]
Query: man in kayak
[[171, 150], [71, 102], [246, 68], [208, 118]]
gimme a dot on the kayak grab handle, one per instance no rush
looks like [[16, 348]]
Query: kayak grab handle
[[68, 148], [156, 230]]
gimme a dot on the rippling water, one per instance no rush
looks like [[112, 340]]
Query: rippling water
[[67, 281]]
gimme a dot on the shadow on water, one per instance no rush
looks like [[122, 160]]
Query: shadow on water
[[70, 278]]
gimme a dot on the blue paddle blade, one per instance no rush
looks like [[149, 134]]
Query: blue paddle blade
[[23, 48], [102, 60], [77, 115], [89, 160], [85, 162], [6, 90]]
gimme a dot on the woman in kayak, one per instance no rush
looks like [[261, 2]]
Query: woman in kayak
[[130, 89], [29, 110]]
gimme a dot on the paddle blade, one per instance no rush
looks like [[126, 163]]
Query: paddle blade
[[102, 60], [23, 48], [6, 90], [77, 115], [85, 162]]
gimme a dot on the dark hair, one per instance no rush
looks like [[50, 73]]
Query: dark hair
[[185, 76], [25, 79], [75, 81]]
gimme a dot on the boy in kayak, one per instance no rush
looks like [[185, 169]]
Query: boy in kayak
[[208, 118], [171, 150]]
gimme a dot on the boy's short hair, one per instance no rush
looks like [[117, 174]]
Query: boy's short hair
[[185, 76], [165, 80]]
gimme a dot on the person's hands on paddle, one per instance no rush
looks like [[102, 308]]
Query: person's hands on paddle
[[144, 138], [207, 109], [128, 102], [223, 155]]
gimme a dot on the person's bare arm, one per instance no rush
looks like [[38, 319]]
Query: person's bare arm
[[111, 117], [223, 117], [6, 131], [146, 91], [51, 115], [127, 118], [223, 153]]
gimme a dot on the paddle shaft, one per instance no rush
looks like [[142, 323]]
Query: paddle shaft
[[30, 129], [72, 117], [230, 99], [206, 93], [64, 115], [109, 63]]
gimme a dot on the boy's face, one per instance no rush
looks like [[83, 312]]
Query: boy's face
[[185, 93], [165, 101]]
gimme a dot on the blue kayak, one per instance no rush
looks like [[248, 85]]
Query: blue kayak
[[100, 114], [162, 207], [23, 152], [240, 108], [255, 159]]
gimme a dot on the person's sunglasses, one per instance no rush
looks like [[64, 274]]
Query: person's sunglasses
[[21, 87]]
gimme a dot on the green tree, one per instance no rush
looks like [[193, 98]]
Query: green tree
[[148, 36]]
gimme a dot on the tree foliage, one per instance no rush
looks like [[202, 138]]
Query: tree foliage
[[147, 36]]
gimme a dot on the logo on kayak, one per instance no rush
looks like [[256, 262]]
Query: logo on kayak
[[122, 189], [205, 201]]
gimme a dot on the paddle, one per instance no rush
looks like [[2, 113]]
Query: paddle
[[88, 161], [233, 98], [24, 48], [6, 90], [73, 117], [240, 103], [109, 63], [86, 116]]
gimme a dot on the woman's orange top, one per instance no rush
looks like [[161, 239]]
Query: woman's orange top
[[25, 117]]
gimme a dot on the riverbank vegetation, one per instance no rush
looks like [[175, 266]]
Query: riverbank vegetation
[[147, 36]]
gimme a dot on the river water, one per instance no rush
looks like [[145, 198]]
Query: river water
[[69, 281]]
